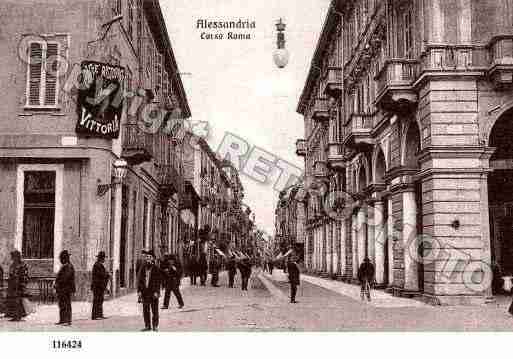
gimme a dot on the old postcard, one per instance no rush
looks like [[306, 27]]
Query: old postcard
[[255, 166]]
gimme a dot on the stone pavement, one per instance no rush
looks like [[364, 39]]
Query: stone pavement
[[379, 298], [323, 305]]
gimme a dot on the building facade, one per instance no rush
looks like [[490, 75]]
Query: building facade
[[58, 184], [407, 109]]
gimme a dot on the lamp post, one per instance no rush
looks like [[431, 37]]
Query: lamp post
[[281, 55], [120, 171]]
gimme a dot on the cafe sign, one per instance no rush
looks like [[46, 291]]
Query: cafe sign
[[100, 99]]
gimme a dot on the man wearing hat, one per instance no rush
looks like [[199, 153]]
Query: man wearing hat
[[64, 288], [100, 279], [148, 289]]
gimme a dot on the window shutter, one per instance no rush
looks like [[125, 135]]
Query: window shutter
[[35, 73], [52, 67]]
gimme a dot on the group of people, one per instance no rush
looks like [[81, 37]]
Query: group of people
[[199, 268]]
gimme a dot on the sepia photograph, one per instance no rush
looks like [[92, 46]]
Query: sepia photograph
[[237, 166]]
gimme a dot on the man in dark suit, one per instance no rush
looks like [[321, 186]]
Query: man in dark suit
[[100, 279], [231, 265], [64, 288], [245, 272], [293, 269], [214, 269], [366, 277], [148, 289], [172, 276], [203, 268]]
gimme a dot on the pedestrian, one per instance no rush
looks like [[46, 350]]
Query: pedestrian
[[203, 268], [192, 267], [148, 290], [16, 288], [231, 266], [64, 288], [245, 273], [271, 267], [294, 279], [214, 269], [100, 279], [366, 278], [172, 276]]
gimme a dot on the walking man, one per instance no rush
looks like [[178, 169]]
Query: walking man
[[366, 278], [64, 288], [294, 279], [232, 270], [214, 269], [100, 279], [172, 272], [203, 268], [192, 266], [271, 267], [245, 273], [148, 289]]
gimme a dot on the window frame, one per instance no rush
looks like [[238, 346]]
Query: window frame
[[42, 84]]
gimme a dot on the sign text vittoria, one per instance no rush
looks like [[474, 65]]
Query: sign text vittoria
[[100, 99]]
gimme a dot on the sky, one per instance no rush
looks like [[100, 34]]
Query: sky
[[234, 84]]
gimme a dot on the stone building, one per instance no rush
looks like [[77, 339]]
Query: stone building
[[407, 108], [57, 186]]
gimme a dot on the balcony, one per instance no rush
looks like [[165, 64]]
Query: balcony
[[321, 112], [395, 84], [137, 144], [333, 84], [358, 130], [170, 181], [336, 156], [188, 198], [320, 169], [301, 148], [501, 66]]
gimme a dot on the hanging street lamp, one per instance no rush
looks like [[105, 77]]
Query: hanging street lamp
[[281, 55]]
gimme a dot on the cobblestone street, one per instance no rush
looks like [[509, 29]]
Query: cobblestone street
[[323, 305]]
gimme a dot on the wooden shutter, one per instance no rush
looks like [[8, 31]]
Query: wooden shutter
[[35, 73], [51, 69]]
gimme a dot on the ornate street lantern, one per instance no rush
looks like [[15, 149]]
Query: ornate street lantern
[[120, 168], [281, 55]]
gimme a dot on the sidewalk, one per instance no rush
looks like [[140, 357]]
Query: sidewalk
[[380, 299], [124, 306]]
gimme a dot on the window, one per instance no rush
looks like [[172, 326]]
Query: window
[[145, 223], [408, 33], [38, 214], [130, 29], [139, 28], [116, 7], [158, 74], [43, 73]]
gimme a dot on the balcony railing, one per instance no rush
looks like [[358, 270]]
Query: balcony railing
[[333, 82], [453, 58], [321, 111], [336, 155], [358, 129], [137, 144], [170, 180], [501, 60], [320, 169], [397, 74], [301, 147]]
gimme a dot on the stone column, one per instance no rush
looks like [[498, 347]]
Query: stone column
[[390, 242], [362, 235], [379, 241], [371, 223], [354, 241], [411, 278], [341, 238], [324, 239]]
